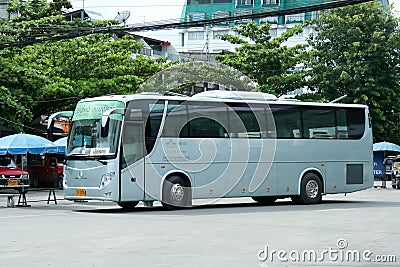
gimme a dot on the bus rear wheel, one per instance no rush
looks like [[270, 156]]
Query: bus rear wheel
[[265, 200], [128, 205], [176, 193], [310, 190]]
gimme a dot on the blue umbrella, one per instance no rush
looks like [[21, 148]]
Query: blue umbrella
[[18, 144], [62, 145], [386, 146]]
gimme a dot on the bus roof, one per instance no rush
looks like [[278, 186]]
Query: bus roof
[[256, 98]]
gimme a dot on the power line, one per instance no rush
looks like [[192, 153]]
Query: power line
[[73, 32]]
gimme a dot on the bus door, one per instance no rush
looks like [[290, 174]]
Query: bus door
[[132, 162]]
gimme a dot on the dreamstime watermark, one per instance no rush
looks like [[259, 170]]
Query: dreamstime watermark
[[340, 253]]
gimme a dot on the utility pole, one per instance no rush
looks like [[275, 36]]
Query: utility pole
[[83, 10], [206, 45]]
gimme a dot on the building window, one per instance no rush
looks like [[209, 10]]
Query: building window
[[273, 32], [196, 16], [240, 36], [272, 20], [270, 2], [242, 13], [196, 35], [221, 15], [295, 18], [222, 1], [314, 15], [198, 2], [298, 35], [244, 2], [221, 32]]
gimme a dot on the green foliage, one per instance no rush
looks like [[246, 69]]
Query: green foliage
[[265, 60], [47, 76], [37, 9], [356, 52], [77, 68], [39, 21]]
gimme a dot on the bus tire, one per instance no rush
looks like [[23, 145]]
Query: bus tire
[[310, 190], [265, 200], [128, 205], [176, 193]]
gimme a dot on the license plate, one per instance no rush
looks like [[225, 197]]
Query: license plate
[[13, 182], [80, 192]]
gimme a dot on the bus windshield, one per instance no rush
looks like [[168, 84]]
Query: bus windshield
[[86, 140], [86, 137]]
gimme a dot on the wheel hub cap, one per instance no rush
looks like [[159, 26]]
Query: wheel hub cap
[[177, 192], [312, 189]]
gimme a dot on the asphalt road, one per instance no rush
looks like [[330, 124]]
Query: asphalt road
[[230, 232]]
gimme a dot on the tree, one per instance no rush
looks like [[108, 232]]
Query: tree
[[357, 53], [51, 76], [265, 60], [37, 9], [41, 20]]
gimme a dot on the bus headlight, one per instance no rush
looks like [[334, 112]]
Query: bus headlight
[[106, 179]]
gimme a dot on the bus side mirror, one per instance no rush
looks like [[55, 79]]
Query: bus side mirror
[[105, 119], [52, 118]]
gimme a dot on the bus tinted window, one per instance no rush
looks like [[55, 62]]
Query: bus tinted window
[[246, 121], [287, 121], [153, 124], [319, 123], [356, 120], [207, 120], [350, 123], [175, 120], [154, 120]]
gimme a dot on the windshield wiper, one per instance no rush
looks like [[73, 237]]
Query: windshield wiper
[[83, 156], [102, 161], [76, 155]]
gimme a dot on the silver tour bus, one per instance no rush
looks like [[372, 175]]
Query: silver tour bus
[[174, 149]]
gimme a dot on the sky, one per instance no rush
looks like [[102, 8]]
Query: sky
[[396, 4], [141, 11], [150, 10]]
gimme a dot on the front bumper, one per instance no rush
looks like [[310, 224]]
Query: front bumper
[[10, 183]]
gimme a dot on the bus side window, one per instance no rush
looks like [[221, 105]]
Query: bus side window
[[319, 122], [175, 120], [287, 121], [207, 120]]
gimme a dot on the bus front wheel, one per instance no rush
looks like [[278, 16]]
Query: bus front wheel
[[176, 193], [310, 190]]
